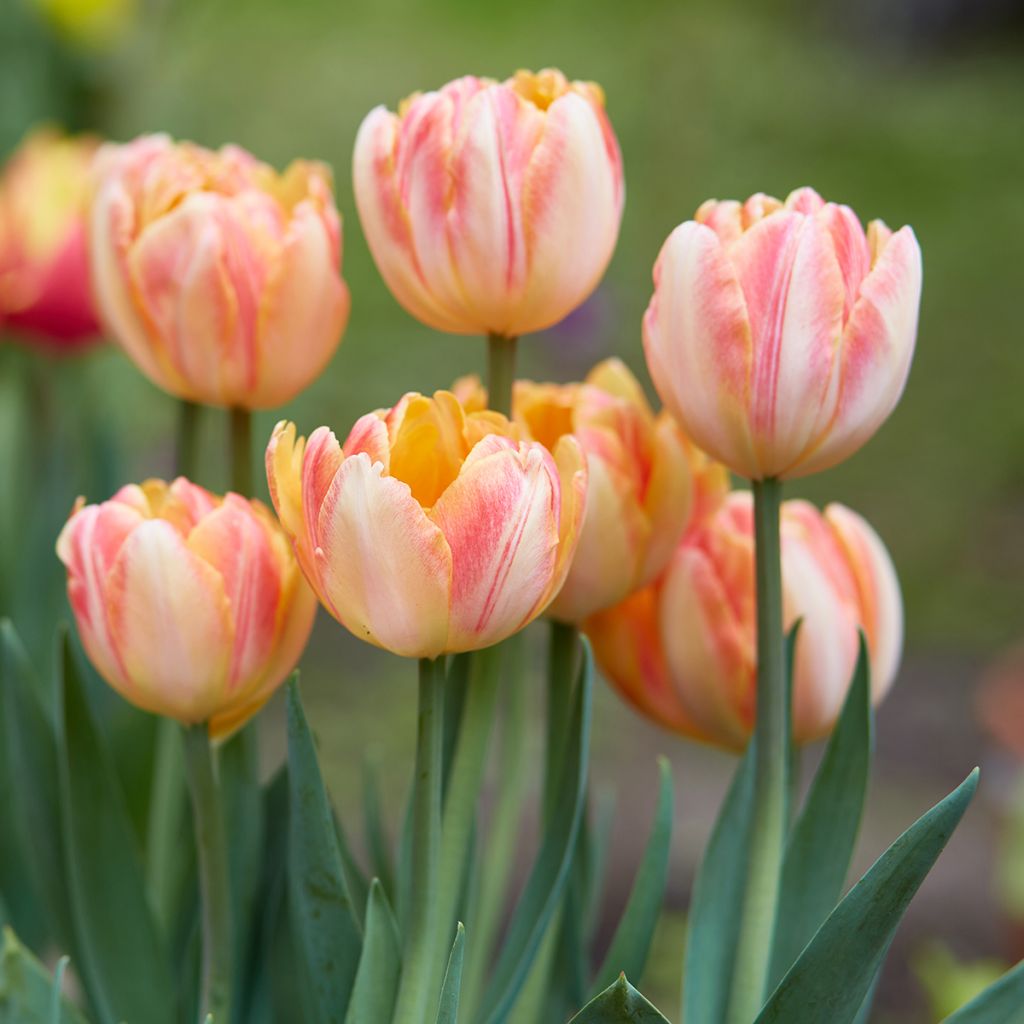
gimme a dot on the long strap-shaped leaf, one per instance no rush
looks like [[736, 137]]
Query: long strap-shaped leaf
[[544, 888], [830, 979], [821, 844], [620, 1003], [448, 1008], [28, 995], [1001, 1003], [632, 942], [119, 953], [324, 921], [373, 996], [714, 919]]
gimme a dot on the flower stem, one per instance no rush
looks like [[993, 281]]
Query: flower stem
[[187, 450], [768, 825], [421, 954], [561, 677], [211, 847], [241, 452], [501, 372]]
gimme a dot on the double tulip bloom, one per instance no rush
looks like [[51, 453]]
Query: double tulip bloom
[[189, 605], [684, 649], [491, 207], [430, 530], [645, 479], [44, 275], [781, 334], [219, 277]]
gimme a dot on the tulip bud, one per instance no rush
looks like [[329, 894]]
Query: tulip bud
[[684, 650], [430, 530], [491, 208], [189, 605], [780, 334], [218, 276], [44, 273], [645, 480]]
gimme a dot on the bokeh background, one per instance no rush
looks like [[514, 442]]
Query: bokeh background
[[908, 110]]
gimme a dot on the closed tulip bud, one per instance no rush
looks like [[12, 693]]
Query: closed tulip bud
[[645, 480], [44, 272], [685, 649], [491, 207], [430, 530], [218, 276], [781, 334], [190, 605]]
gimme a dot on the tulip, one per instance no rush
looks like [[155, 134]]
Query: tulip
[[491, 208], [431, 530], [44, 274], [645, 480], [219, 277], [189, 605], [684, 649], [781, 334]]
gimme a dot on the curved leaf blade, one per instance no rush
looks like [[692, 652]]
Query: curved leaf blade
[[376, 984], [448, 1008], [834, 973], [1001, 1003], [632, 942], [28, 995], [620, 1003]]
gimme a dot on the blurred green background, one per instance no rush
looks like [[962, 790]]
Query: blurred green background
[[912, 111]]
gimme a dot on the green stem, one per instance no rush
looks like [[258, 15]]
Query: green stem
[[562, 648], [212, 850], [187, 451], [241, 452], [163, 827], [769, 825], [501, 372], [422, 958]]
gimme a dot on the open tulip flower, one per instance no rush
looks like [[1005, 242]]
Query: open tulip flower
[[781, 334], [645, 479], [491, 207], [430, 530], [44, 273], [218, 276], [190, 605], [684, 649]]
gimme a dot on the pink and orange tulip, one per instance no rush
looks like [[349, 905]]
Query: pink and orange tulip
[[189, 605], [218, 276], [491, 207], [430, 530], [645, 480], [781, 334], [684, 649], [44, 272]]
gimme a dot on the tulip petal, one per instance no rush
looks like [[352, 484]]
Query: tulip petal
[[384, 568]]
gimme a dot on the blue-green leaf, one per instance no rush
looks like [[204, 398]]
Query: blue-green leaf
[[376, 984], [716, 905], [835, 971], [546, 883], [821, 844], [1001, 1003], [119, 952], [448, 1008], [28, 995], [632, 941], [325, 924], [620, 1003]]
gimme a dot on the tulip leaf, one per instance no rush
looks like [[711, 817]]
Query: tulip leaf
[[357, 884], [1001, 1003], [29, 791], [821, 843], [620, 1003], [28, 995], [716, 904], [632, 942], [547, 880], [376, 984], [448, 1008], [326, 928], [119, 952], [834, 973]]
